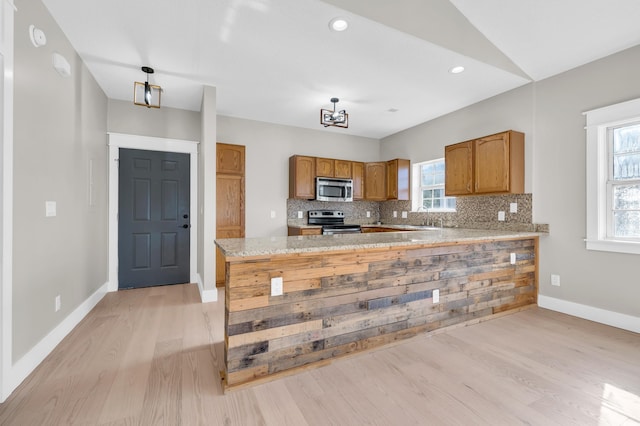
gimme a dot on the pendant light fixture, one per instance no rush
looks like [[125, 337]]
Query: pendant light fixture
[[334, 118], [145, 94]]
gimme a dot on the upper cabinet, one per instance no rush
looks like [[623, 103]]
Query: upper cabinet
[[398, 183], [302, 175], [325, 167], [376, 181], [328, 167], [230, 159], [489, 165], [458, 172], [357, 174], [342, 169], [375, 185]]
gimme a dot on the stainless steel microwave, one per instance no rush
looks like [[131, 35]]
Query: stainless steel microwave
[[334, 189]]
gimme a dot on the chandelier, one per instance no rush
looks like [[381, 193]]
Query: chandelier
[[334, 118]]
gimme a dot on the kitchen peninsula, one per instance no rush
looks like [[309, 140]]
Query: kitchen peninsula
[[343, 294]]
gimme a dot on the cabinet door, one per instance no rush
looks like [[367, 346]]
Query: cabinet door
[[357, 174], [375, 181], [392, 180], [302, 174], [492, 164], [398, 187], [229, 215], [230, 159], [342, 169], [325, 167], [458, 163]]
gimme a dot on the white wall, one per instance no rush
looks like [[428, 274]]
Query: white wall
[[60, 129], [549, 112], [268, 148], [171, 123]]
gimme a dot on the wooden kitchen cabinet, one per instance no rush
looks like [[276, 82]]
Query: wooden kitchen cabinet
[[229, 159], [230, 197], [325, 167], [499, 163], [297, 230], [342, 169], [302, 175], [375, 185], [328, 167], [398, 183], [357, 174], [492, 164], [458, 172]]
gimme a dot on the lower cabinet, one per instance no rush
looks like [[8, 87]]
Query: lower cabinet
[[297, 230]]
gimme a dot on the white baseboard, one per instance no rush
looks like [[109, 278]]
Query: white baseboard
[[25, 365], [614, 319], [206, 295]]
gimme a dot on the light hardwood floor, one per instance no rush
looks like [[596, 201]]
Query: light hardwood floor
[[151, 357]]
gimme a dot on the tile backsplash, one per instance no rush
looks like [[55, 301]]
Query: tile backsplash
[[480, 212]]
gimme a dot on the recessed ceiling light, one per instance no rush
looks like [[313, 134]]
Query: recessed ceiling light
[[456, 70], [338, 24]]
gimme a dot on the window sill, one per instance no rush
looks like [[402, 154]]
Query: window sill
[[614, 246]]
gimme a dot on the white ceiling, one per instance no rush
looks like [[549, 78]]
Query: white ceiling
[[277, 60]]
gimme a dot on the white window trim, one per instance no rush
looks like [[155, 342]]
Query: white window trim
[[416, 196], [598, 120]]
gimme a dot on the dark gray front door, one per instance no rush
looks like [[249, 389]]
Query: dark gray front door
[[153, 218]]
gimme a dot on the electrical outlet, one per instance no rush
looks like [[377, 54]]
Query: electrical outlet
[[300, 214], [404, 215], [273, 214], [555, 280], [436, 296], [513, 258], [501, 216], [276, 286], [368, 214], [513, 208], [58, 303], [395, 213]]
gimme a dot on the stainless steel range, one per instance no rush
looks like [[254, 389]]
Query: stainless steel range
[[332, 222]]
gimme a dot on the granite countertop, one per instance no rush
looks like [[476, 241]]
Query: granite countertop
[[249, 247]]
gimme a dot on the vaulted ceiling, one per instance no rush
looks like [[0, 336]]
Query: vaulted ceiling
[[278, 61]]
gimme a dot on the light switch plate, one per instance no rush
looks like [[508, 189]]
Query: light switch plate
[[395, 213], [513, 208], [436, 296], [501, 216], [273, 214], [512, 258], [368, 214], [50, 208], [300, 214], [404, 215]]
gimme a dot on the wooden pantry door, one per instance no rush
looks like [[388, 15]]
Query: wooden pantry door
[[230, 172]]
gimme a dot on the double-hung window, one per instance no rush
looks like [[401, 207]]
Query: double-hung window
[[613, 178], [429, 188]]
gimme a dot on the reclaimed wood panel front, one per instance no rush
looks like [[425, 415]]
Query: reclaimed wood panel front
[[339, 303]]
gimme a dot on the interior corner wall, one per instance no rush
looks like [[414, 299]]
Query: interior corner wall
[[549, 112], [171, 123], [60, 155], [268, 148]]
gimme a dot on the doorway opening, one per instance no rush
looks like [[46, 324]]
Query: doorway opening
[[147, 143]]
